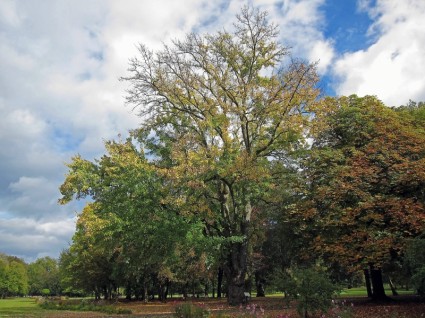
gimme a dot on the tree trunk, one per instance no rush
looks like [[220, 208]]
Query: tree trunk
[[145, 292], [206, 289], [219, 282], [259, 283], [393, 289], [367, 280], [236, 272], [128, 291], [377, 284]]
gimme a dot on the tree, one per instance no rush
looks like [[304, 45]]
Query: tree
[[217, 111], [366, 175], [44, 274], [86, 265], [129, 229], [13, 276], [414, 260]]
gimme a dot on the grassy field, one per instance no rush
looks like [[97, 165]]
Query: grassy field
[[361, 291], [28, 308], [19, 306]]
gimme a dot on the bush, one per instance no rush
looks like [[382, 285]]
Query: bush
[[312, 288], [191, 311]]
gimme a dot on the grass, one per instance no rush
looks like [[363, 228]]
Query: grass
[[19, 306], [361, 291]]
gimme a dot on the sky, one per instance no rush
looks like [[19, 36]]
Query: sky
[[60, 94]]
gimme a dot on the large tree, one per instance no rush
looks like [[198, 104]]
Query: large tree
[[217, 111], [366, 174]]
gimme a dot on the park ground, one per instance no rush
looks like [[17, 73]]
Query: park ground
[[405, 306]]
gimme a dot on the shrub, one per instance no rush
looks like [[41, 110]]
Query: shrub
[[312, 288], [191, 311]]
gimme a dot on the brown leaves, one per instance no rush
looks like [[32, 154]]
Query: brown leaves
[[373, 197]]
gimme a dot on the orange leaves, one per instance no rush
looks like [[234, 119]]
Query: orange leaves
[[368, 176]]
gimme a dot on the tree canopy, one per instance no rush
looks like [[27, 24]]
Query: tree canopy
[[366, 174]]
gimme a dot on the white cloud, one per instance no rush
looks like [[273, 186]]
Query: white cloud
[[323, 53], [31, 239], [9, 13], [391, 68]]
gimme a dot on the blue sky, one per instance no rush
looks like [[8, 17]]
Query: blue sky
[[60, 61]]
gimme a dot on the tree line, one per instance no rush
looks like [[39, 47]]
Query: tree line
[[39, 278]]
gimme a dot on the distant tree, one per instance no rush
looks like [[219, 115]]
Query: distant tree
[[13, 276], [366, 173], [44, 273], [217, 111]]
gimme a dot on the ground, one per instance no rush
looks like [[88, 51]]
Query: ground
[[356, 307]]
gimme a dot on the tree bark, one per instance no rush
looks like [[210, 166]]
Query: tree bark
[[219, 282], [393, 289], [259, 283], [236, 272], [377, 284], [367, 280]]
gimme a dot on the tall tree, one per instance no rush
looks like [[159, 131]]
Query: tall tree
[[217, 111], [366, 175]]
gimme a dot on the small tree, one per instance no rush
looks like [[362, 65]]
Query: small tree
[[311, 288]]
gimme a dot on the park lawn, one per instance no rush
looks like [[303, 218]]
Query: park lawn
[[19, 306], [28, 308], [361, 291]]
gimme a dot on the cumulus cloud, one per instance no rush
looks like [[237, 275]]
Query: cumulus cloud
[[391, 67]]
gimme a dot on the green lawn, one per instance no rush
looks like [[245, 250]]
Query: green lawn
[[361, 291], [13, 307], [357, 292]]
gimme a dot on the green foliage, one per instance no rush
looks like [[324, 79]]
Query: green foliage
[[415, 261], [45, 292], [312, 289], [44, 273], [189, 310], [13, 276]]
